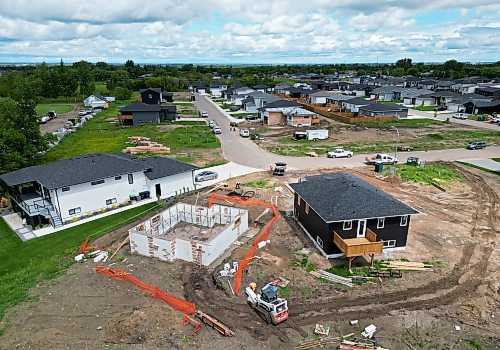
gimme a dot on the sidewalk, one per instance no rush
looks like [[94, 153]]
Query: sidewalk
[[489, 164]]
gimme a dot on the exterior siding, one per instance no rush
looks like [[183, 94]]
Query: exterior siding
[[92, 198], [146, 117], [392, 230], [150, 97], [275, 118], [172, 185]]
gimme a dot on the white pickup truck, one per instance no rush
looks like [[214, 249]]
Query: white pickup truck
[[339, 153], [381, 158]]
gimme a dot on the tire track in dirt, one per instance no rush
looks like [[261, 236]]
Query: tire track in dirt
[[199, 287]]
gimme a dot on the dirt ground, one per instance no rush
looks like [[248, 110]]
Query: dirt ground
[[458, 230], [57, 123]]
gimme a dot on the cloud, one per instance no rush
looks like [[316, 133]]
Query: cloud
[[248, 31]]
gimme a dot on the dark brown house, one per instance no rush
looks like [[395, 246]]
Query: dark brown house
[[346, 216]]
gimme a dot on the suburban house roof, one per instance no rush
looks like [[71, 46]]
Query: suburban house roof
[[263, 96], [483, 104], [383, 107], [339, 97], [387, 89], [357, 101], [161, 166], [92, 167], [74, 170], [323, 94], [281, 103], [158, 90], [260, 87], [141, 107], [343, 196], [100, 97]]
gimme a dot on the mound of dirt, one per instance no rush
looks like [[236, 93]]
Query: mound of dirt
[[150, 325]]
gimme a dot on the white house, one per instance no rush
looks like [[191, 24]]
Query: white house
[[216, 90], [95, 101], [70, 189], [239, 94], [320, 96], [353, 104]]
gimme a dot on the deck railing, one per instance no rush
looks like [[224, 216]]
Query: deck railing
[[353, 247]]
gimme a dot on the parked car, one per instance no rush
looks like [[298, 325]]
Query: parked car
[[217, 129], [234, 108], [205, 176], [339, 153], [405, 148], [251, 117], [381, 158], [495, 120], [476, 145], [82, 112], [212, 123], [45, 119], [204, 114], [459, 116], [233, 124], [245, 133]]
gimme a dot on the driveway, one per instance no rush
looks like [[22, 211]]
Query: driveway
[[245, 152], [225, 172], [445, 115]]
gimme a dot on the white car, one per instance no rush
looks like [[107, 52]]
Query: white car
[[217, 130], [459, 116], [204, 114], [339, 153], [212, 123], [245, 133]]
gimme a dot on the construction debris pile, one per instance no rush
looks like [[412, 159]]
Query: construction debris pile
[[144, 145]]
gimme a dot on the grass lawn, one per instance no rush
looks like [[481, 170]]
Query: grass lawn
[[430, 173], [425, 108], [437, 140], [97, 135], [43, 108], [393, 101], [261, 184], [496, 159], [26, 264], [182, 103], [243, 115], [406, 123]]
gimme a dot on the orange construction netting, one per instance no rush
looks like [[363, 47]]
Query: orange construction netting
[[149, 289], [261, 237]]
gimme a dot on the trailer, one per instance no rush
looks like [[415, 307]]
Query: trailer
[[311, 135]]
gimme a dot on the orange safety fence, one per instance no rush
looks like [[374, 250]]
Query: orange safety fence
[[84, 245], [261, 237], [149, 289]]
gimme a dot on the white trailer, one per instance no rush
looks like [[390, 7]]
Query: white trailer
[[311, 135]]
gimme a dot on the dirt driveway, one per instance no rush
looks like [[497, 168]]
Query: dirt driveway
[[57, 123], [456, 230]]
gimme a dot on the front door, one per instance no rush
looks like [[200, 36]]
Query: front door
[[158, 190], [361, 228]]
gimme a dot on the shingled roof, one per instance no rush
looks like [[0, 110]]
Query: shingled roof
[[343, 196], [92, 167]]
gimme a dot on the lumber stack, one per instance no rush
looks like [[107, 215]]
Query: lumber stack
[[315, 343], [145, 145], [405, 265], [333, 278]]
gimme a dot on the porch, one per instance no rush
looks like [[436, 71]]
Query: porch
[[35, 206], [353, 247]]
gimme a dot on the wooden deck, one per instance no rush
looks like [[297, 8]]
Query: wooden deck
[[352, 247]]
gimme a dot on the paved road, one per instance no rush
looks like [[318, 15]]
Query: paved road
[[489, 164], [445, 115], [246, 152]]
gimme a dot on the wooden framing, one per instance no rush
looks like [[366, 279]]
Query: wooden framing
[[353, 247]]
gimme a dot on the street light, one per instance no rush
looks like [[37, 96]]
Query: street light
[[397, 144]]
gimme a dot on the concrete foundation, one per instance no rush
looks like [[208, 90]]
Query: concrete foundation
[[191, 233]]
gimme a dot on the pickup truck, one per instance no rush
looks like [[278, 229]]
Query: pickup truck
[[339, 153], [381, 158]]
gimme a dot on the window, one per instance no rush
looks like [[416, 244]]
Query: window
[[380, 222], [298, 200], [110, 201], [347, 225], [75, 211], [98, 182], [320, 241], [307, 208], [130, 178], [118, 177], [390, 243], [65, 189], [404, 220]]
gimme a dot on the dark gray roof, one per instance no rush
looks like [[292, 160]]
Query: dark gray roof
[[141, 107], [357, 101], [91, 167], [282, 103], [74, 170], [343, 196], [163, 166], [383, 107], [154, 89], [260, 87]]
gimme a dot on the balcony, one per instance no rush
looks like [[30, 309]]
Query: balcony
[[353, 247], [33, 204]]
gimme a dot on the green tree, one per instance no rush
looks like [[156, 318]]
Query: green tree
[[122, 93]]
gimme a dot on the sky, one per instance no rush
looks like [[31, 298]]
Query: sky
[[249, 31]]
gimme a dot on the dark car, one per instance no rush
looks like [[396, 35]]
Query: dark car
[[233, 124], [476, 145]]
